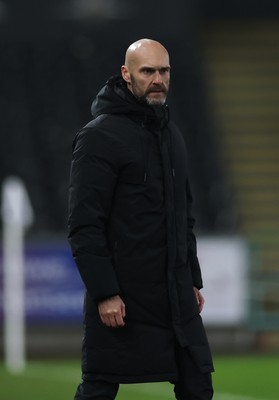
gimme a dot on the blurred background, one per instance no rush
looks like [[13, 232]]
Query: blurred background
[[55, 55]]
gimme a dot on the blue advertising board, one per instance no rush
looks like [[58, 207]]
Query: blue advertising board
[[53, 287]]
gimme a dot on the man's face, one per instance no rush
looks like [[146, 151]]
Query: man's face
[[148, 75], [151, 84]]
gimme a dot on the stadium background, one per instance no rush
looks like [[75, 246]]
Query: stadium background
[[224, 95]]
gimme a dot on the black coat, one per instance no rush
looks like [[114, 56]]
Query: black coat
[[131, 234]]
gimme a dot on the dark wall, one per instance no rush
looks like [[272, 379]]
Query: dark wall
[[51, 66]]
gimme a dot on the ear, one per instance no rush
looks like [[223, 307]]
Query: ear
[[125, 74]]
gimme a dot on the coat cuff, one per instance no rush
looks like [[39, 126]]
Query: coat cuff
[[98, 276]]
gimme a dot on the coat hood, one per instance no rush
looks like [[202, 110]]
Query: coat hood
[[115, 98]]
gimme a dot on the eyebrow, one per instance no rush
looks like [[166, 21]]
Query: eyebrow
[[153, 69]]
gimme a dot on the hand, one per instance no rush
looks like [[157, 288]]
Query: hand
[[200, 299], [112, 312]]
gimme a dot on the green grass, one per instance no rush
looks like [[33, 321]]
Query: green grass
[[236, 378]]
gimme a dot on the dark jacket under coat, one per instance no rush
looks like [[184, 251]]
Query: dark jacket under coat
[[131, 233]]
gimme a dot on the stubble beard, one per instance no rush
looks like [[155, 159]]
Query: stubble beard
[[154, 102], [144, 97]]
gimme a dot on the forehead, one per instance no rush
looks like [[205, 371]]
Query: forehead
[[152, 56]]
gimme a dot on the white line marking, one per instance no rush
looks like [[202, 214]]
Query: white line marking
[[229, 396]]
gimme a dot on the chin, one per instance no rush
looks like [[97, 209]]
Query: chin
[[155, 102]]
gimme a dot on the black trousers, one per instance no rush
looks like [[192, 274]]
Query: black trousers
[[192, 384]]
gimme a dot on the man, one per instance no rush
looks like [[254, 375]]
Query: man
[[131, 236]]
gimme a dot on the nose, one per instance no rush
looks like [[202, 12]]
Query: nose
[[157, 77]]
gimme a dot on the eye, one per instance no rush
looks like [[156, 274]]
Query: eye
[[164, 70], [148, 71]]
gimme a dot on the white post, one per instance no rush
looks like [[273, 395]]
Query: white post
[[17, 214]]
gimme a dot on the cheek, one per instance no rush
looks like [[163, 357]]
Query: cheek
[[167, 81], [143, 86]]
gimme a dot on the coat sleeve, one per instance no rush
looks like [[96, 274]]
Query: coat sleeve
[[92, 183], [192, 244]]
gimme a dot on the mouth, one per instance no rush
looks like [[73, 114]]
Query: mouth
[[160, 91]]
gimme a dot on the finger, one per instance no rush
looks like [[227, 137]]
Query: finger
[[109, 320], [103, 319], [112, 321], [115, 318], [119, 320], [123, 310], [201, 299], [201, 304]]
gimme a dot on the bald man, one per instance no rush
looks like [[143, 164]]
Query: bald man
[[131, 234], [147, 71]]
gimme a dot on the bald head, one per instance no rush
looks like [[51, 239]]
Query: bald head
[[147, 71], [144, 49]]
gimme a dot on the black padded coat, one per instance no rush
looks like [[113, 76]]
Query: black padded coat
[[130, 230]]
